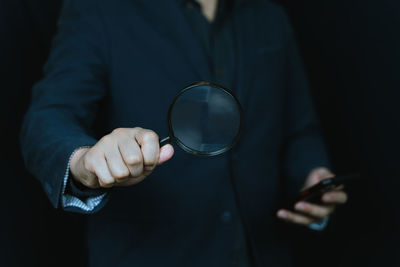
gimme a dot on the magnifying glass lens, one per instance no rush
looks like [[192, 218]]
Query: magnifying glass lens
[[205, 119]]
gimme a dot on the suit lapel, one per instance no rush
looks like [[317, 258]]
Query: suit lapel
[[245, 39], [167, 19]]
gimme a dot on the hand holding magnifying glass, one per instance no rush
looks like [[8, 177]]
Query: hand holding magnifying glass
[[204, 119]]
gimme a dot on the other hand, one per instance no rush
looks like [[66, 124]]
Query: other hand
[[307, 213]]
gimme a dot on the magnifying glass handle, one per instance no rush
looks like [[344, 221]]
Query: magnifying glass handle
[[164, 141]]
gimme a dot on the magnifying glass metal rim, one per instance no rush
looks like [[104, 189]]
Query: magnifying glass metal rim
[[194, 151]]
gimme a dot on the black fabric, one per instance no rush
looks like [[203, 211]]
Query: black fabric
[[76, 189], [216, 38], [352, 54]]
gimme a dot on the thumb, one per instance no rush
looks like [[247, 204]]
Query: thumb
[[166, 153], [317, 175]]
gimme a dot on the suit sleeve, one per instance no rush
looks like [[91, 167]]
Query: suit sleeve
[[304, 148], [65, 102]]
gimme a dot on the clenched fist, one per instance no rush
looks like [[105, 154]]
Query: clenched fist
[[122, 158]]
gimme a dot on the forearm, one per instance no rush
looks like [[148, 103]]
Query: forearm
[[47, 144]]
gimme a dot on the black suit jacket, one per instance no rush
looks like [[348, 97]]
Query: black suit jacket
[[118, 64]]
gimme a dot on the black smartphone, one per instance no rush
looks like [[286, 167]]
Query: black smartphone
[[314, 194]]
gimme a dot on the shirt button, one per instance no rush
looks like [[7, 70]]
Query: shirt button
[[226, 217]]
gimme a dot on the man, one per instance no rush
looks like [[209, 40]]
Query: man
[[91, 134]]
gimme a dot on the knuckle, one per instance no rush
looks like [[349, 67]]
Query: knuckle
[[88, 163], [121, 173], [137, 129], [296, 219], [105, 184], [119, 131], [322, 213], [91, 153], [307, 208], [122, 180], [149, 168], [136, 172], [91, 183], [307, 221], [107, 140], [299, 219], [317, 211], [134, 159], [149, 164], [303, 220], [135, 175], [150, 136], [289, 217], [86, 182]]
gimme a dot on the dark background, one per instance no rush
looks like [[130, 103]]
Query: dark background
[[352, 54], [32, 232], [351, 50]]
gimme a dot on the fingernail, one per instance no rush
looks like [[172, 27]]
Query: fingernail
[[282, 214], [328, 198], [166, 151], [163, 154]]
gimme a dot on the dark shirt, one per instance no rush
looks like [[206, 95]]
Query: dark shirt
[[217, 40]]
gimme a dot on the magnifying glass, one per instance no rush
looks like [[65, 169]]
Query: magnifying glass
[[204, 119]]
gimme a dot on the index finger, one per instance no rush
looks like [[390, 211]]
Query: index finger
[[335, 197], [150, 147]]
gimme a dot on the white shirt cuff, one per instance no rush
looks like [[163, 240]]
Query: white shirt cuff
[[70, 201]]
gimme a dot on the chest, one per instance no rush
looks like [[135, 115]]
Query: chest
[[154, 55]]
